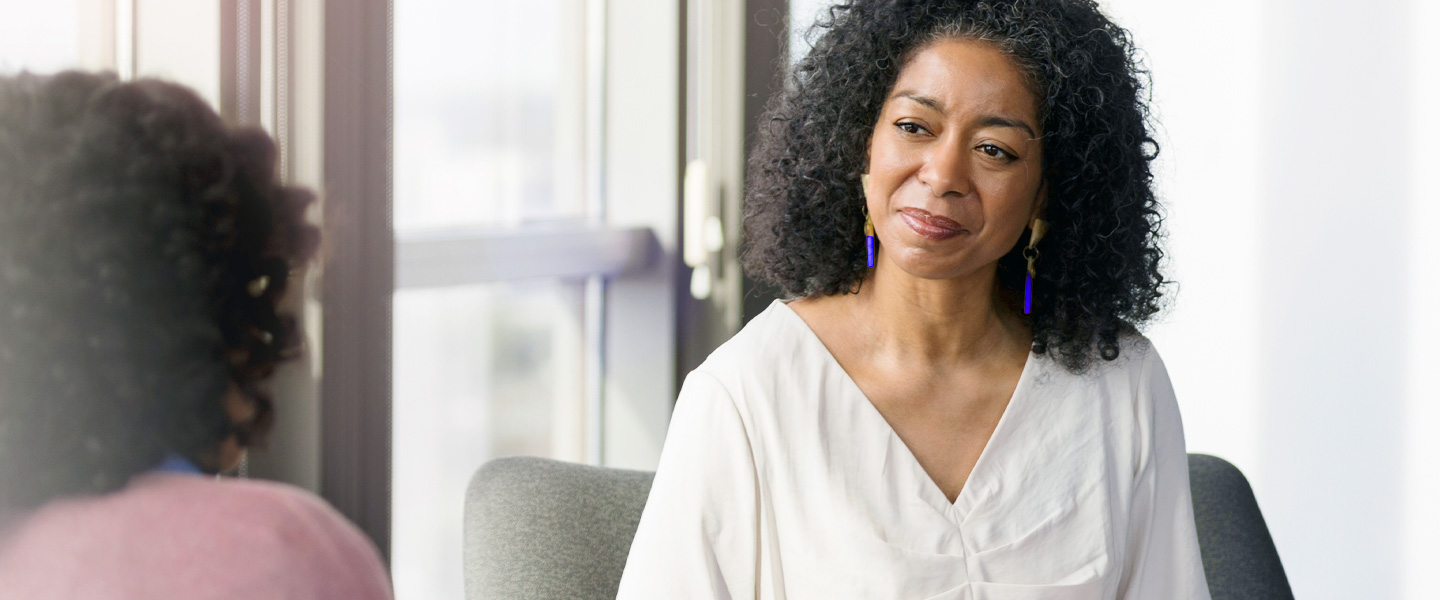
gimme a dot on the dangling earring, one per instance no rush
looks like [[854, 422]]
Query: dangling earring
[[869, 226], [1037, 231]]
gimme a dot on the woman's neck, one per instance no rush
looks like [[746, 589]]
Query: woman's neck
[[937, 322]]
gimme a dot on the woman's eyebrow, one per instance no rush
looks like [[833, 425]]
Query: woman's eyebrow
[[924, 100], [998, 121], [985, 121]]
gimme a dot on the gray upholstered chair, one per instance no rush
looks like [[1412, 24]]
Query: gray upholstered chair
[[1235, 545], [538, 528]]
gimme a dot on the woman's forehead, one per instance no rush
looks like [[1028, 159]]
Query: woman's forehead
[[966, 76]]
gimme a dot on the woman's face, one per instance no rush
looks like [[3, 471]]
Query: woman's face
[[955, 161]]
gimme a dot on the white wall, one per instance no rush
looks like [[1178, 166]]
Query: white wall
[[1292, 168], [1206, 95], [1421, 525]]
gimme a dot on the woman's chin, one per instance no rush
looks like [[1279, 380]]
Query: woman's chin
[[923, 263]]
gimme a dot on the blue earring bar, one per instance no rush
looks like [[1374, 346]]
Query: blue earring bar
[[1027, 293], [870, 250]]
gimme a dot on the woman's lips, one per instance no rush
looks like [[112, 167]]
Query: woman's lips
[[930, 226]]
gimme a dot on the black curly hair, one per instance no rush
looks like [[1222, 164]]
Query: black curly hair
[[1098, 271], [144, 249]]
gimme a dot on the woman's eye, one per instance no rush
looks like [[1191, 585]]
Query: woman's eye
[[995, 151], [911, 128]]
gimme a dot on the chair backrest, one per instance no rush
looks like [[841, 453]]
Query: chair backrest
[[539, 528], [1235, 545]]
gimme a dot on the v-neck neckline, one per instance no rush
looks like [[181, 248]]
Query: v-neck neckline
[[964, 501]]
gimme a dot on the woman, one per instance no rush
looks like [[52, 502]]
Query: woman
[[144, 251], [965, 409]]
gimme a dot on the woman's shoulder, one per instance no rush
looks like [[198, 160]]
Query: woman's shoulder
[[1136, 356], [1140, 360], [165, 529], [296, 526], [1135, 385], [773, 367], [244, 503], [280, 505], [1127, 387], [767, 346]]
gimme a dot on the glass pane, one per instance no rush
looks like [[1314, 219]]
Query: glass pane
[[480, 371], [489, 112], [40, 37]]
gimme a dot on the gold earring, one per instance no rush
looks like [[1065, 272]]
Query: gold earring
[[869, 225], [1037, 231]]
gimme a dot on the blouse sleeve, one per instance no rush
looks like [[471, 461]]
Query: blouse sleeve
[[1163, 557], [698, 535]]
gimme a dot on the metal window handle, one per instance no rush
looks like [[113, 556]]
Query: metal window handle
[[704, 232], [697, 213]]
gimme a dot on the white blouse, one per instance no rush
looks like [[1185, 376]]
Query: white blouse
[[779, 479]]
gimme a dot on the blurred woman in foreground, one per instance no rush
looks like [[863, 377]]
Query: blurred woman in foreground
[[144, 249]]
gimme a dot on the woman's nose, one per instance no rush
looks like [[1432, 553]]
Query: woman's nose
[[947, 169]]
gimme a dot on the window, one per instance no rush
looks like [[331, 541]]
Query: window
[[512, 127], [480, 293], [39, 37], [491, 346]]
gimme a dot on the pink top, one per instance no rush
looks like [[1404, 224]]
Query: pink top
[[169, 535]]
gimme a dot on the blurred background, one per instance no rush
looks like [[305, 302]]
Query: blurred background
[[532, 216]]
